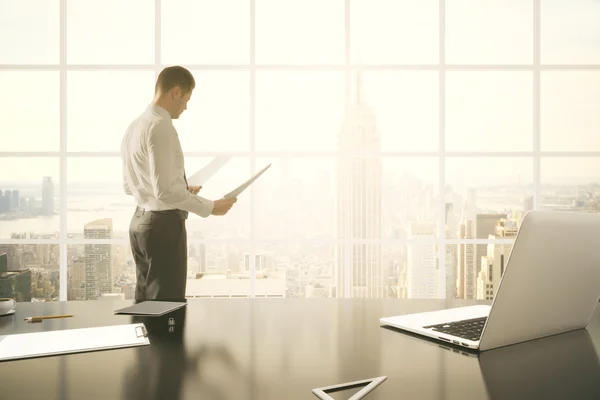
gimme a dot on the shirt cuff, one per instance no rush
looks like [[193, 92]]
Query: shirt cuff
[[207, 208]]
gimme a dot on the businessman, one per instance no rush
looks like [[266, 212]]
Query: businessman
[[153, 173]]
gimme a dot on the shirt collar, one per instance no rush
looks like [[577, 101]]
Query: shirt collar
[[159, 110]]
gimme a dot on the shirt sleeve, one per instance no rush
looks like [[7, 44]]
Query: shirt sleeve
[[125, 183], [166, 171], [126, 187]]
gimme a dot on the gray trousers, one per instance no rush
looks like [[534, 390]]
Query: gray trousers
[[159, 245]]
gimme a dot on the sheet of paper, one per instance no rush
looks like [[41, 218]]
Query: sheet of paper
[[236, 192], [38, 344], [200, 177]]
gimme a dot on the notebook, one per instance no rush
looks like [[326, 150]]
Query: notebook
[[151, 308], [68, 341]]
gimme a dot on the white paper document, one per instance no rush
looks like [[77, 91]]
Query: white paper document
[[200, 177], [236, 192], [39, 344]]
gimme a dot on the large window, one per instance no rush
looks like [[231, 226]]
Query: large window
[[407, 139]]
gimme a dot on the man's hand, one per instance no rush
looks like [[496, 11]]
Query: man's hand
[[222, 206], [194, 189]]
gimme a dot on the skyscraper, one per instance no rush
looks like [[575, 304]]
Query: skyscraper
[[358, 213], [98, 271], [466, 274], [47, 196], [15, 202], [5, 201], [422, 271], [201, 258], [485, 225], [492, 269], [261, 262], [451, 226]]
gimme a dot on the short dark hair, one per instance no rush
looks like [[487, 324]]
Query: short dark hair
[[174, 76]]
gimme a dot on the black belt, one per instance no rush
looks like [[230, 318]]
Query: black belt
[[182, 213]]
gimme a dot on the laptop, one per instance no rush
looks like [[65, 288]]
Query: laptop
[[551, 285]]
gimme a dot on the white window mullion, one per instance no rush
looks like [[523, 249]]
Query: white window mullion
[[157, 34], [32, 154], [441, 279], [537, 175], [317, 154], [304, 67], [346, 254], [63, 265], [252, 164]]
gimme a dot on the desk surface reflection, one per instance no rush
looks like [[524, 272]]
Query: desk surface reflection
[[283, 348]]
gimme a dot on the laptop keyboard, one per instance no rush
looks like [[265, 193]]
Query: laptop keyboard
[[467, 329]]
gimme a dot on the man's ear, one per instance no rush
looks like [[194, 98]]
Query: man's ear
[[176, 92]]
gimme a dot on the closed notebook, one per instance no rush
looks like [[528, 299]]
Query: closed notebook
[[151, 308]]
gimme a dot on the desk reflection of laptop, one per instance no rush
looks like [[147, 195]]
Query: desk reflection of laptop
[[564, 366], [560, 367]]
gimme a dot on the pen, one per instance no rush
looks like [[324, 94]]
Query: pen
[[40, 319]]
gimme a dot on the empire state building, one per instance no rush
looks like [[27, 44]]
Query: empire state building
[[358, 269]]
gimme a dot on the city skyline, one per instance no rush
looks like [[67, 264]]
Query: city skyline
[[408, 270], [473, 114], [109, 202]]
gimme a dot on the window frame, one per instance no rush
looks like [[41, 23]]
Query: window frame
[[445, 281]]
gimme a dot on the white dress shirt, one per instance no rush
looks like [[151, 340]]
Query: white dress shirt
[[153, 167]]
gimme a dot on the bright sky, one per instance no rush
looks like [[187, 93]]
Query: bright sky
[[303, 110]]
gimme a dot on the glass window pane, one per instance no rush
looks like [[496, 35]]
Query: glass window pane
[[570, 120], [108, 270], [489, 111], [29, 32], [98, 270], [30, 201], [404, 108], [410, 191], [411, 271], [95, 193], [219, 31], [32, 272], [490, 32], [393, 32], [468, 279], [222, 270], [236, 223], [301, 270], [297, 111], [570, 32], [486, 199], [110, 32], [299, 32], [488, 185], [218, 113], [30, 115], [383, 271], [295, 198], [102, 104], [570, 184]]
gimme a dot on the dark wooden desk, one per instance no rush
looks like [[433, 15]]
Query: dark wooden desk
[[282, 348]]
